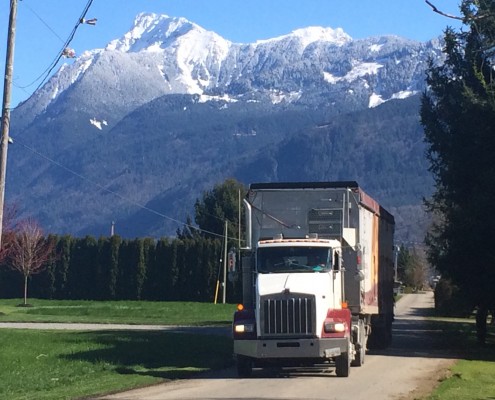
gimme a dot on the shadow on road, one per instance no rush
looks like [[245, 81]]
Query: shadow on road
[[418, 332]]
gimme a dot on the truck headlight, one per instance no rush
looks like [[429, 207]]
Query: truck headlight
[[244, 325], [244, 328]]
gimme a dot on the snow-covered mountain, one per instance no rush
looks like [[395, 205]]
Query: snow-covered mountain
[[164, 55], [316, 72]]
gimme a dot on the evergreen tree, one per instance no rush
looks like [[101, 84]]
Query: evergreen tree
[[458, 114], [172, 272], [113, 250], [182, 289], [81, 275], [146, 263], [126, 278], [156, 282], [403, 261], [64, 251], [210, 253], [218, 205]]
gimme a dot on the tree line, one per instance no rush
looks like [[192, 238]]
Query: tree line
[[113, 268]]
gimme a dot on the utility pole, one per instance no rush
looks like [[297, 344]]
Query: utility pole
[[7, 86], [225, 265], [396, 256]]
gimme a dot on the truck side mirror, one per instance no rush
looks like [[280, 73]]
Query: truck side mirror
[[336, 261]]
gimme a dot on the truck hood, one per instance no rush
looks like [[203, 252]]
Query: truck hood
[[319, 284]]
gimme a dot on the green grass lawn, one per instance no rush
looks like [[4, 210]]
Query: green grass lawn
[[67, 365], [121, 312], [48, 364], [473, 376]]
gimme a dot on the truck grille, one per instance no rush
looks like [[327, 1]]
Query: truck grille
[[288, 316]]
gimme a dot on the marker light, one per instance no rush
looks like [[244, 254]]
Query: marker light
[[334, 327]]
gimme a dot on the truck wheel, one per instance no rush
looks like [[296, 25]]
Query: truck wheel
[[244, 367], [343, 365], [359, 357]]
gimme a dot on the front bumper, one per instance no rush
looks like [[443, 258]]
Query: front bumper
[[314, 348]]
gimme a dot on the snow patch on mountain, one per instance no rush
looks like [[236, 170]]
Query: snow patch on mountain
[[328, 77], [205, 98], [359, 70], [277, 96], [196, 54], [375, 48], [375, 99], [83, 63], [404, 94], [98, 124]]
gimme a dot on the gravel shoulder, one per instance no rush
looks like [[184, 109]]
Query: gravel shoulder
[[208, 330]]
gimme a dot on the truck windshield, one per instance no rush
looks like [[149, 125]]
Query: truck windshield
[[293, 259]]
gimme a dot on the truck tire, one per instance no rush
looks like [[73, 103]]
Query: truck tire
[[244, 367], [360, 342], [342, 365], [359, 356]]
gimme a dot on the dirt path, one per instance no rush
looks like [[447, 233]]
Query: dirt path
[[204, 330]]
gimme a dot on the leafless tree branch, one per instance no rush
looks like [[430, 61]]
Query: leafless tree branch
[[434, 8], [471, 18]]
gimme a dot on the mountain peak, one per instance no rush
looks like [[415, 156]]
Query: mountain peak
[[152, 30]]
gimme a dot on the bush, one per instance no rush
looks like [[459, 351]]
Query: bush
[[449, 301]]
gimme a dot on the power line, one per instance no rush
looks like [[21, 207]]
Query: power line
[[43, 21], [46, 73]]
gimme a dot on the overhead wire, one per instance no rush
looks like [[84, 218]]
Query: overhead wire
[[43, 21], [46, 73], [106, 189]]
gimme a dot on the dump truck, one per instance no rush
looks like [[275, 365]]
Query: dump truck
[[317, 277]]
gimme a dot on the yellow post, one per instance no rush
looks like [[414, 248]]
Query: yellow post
[[216, 292]]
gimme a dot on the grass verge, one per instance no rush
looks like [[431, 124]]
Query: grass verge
[[121, 312], [472, 376], [67, 365]]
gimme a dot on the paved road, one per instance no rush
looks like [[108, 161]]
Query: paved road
[[410, 367]]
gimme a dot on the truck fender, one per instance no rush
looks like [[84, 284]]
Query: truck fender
[[333, 319]]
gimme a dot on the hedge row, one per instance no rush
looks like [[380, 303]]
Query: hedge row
[[119, 269]]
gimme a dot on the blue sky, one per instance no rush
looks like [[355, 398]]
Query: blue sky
[[43, 25]]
